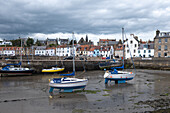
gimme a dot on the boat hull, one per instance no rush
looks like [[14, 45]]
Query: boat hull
[[121, 75], [73, 85], [15, 73], [52, 71]]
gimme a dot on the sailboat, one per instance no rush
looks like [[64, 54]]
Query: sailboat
[[118, 76], [53, 69], [68, 84], [11, 70]]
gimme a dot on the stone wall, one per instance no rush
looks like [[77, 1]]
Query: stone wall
[[151, 63]]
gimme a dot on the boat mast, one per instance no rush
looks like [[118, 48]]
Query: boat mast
[[21, 54], [123, 46], [73, 54]]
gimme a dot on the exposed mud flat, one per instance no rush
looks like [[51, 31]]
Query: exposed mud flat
[[148, 92]]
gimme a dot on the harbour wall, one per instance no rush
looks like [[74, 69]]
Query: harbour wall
[[90, 63], [150, 63], [40, 62]]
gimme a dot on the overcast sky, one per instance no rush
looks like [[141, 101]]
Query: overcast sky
[[99, 19]]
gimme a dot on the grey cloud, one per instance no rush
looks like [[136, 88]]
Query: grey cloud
[[82, 16]]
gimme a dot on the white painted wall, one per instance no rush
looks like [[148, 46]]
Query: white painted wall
[[131, 48]]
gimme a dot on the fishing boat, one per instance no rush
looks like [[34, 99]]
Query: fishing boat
[[118, 76], [16, 69], [53, 70], [66, 84]]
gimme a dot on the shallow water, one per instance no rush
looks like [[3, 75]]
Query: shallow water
[[29, 94]]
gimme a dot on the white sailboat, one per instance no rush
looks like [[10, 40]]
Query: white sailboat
[[68, 84], [118, 76]]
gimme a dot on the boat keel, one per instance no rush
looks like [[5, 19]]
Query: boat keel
[[51, 89], [116, 81], [120, 81]]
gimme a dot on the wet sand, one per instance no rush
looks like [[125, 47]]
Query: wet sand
[[148, 91]]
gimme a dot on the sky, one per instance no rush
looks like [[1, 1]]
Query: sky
[[102, 19]]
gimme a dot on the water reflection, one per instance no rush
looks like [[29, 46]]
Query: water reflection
[[68, 100]]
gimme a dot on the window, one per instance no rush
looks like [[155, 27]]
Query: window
[[127, 51], [144, 51], [138, 51], [159, 54], [159, 47], [165, 54], [149, 51], [144, 56], [127, 45], [131, 41], [159, 40], [165, 47], [166, 40], [134, 51], [135, 45]]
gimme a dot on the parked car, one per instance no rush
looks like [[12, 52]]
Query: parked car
[[81, 58], [68, 58]]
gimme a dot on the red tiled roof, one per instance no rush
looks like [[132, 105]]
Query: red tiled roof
[[104, 40], [9, 48], [92, 49], [51, 48]]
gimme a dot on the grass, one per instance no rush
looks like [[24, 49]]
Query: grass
[[165, 94], [131, 100], [106, 90], [78, 111], [133, 97], [88, 91], [136, 103], [106, 95]]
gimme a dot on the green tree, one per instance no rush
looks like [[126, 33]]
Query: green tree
[[38, 43], [52, 45], [16, 42], [30, 42]]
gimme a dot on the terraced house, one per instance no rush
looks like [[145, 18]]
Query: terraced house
[[162, 44]]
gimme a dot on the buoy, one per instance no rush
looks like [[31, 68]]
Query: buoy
[[130, 72], [110, 76]]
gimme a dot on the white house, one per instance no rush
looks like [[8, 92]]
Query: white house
[[107, 51], [9, 51], [4, 42], [64, 50], [146, 50], [131, 46], [50, 51], [40, 50]]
